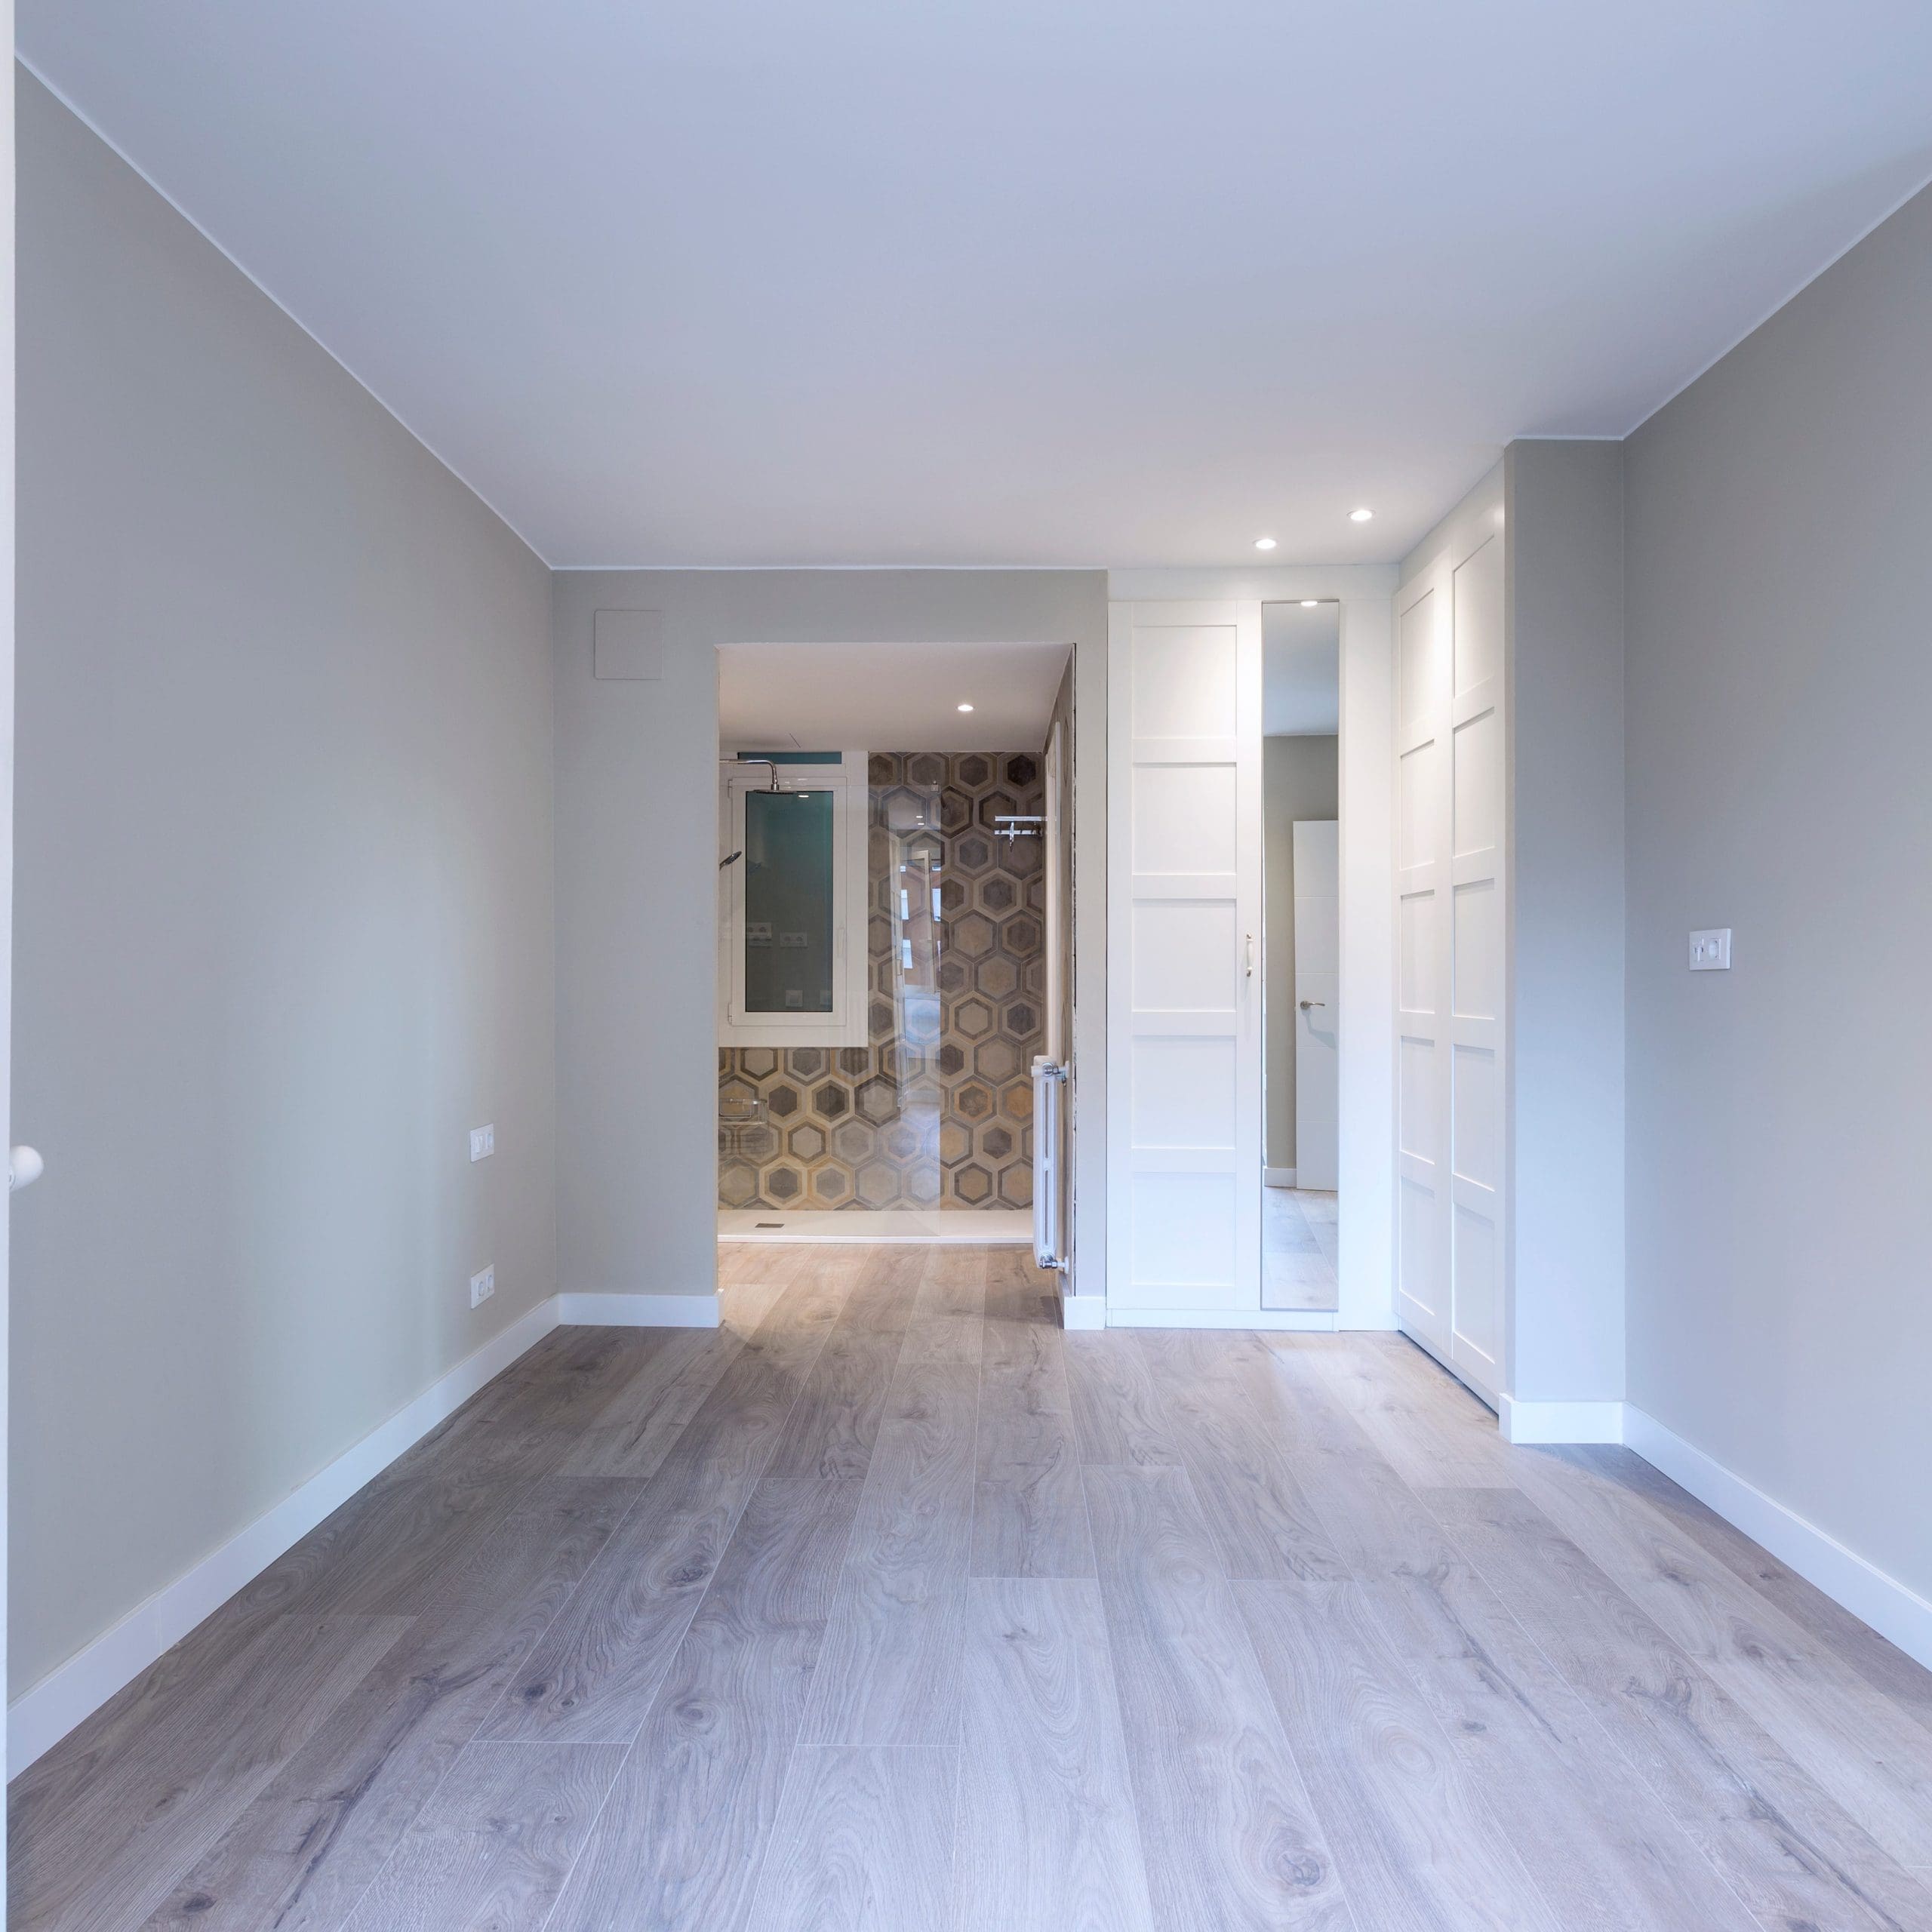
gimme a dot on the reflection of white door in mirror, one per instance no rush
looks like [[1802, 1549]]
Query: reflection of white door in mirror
[[1317, 993]]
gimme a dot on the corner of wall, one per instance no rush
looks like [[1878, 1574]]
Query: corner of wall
[[1563, 650]]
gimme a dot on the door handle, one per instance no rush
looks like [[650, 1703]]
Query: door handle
[[1251, 955], [24, 1166], [1305, 1004]]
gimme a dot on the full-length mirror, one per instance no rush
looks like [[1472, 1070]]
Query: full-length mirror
[[1301, 950]]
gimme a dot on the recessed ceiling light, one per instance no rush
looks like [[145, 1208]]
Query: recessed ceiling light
[[1360, 516], [965, 707], [1309, 603], [1264, 542]]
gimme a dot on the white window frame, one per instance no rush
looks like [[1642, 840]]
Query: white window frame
[[847, 1025]]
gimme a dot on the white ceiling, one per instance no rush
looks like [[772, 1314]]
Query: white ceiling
[[1075, 281], [1301, 670], [887, 697]]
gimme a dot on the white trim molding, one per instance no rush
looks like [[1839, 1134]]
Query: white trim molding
[[1552, 1422], [1278, 1177], [1079, 1313], [1896, 1613], [41, 1717], [594, 1310]]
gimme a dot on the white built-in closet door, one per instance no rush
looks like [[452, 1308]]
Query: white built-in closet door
[[1184, 987], [1422, 960], [1476, 944], [1450, 941]]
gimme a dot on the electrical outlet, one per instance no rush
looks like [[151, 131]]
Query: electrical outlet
[[1710, 951], [483, 1286], [482, 1141]]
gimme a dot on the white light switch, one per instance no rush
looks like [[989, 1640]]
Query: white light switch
[[483, 1286], [482, 1141], [1710, 951]]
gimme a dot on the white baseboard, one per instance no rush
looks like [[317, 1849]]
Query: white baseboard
[[1278, 1177], [1896, 1613], [579, 1310], [40, 1717], [1553, 1423], [1082, 1311], [1298, 1320]]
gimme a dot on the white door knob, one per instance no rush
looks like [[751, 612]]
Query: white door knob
[[24, 1166]]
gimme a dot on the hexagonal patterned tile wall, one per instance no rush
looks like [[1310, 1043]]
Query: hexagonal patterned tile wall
[[934, 1112]]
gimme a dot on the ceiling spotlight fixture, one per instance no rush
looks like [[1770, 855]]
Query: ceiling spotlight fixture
[[1360, 516], [1309, 603], [1264, 542], [965, 707]]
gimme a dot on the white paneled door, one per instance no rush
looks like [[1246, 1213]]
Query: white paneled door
[[1422, 961], [1450, 1085], [1183, 958]]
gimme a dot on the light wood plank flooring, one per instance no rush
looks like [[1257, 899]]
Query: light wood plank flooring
[[889, 1606]]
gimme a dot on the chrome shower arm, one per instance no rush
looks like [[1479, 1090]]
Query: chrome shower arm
[[738, 765]]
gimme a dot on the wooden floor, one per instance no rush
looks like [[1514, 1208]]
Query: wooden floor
[[890, 1606]]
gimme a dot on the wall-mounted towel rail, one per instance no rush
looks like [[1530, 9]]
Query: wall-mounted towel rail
[[1049, 1082]]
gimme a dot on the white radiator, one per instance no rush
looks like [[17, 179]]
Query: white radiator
[[1049, 1084]]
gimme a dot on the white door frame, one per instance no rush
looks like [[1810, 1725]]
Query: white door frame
[[1366, 1299], [6, 808]]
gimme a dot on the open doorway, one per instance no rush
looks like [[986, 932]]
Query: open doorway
[[1301, 945], [891, 937]]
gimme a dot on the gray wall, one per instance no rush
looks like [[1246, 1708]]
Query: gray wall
[[1778, 521], [636, 885], [284, 912], [1563, 510], [1300, 779]]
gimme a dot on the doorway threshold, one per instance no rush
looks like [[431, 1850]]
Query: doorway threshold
[[965, 1226]]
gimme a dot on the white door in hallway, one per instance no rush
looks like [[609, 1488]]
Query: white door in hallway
[[1318, 999], [1450, 1041], [1183, 962]]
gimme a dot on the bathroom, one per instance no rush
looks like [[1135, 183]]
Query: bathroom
[[893, 941]]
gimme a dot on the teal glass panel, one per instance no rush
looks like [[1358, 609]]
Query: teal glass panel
[[788, 931]]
